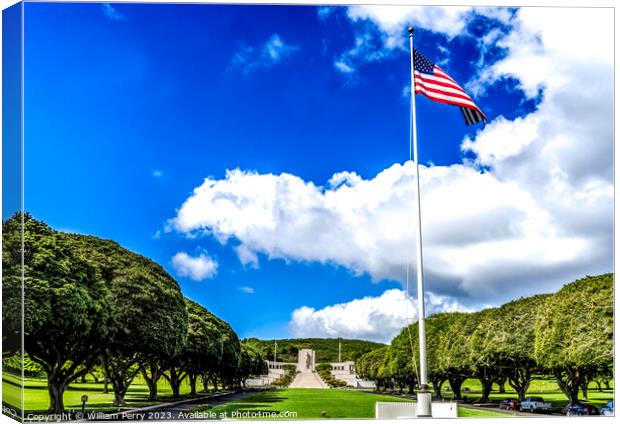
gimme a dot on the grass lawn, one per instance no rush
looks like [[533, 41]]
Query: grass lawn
[[316, 403], [307, 403], [469, 412], [37, 398], [547, 389]]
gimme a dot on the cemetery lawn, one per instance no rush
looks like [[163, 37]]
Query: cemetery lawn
[[307, 403], [316, 403], [37, 398], [465, 412], [547, 389]]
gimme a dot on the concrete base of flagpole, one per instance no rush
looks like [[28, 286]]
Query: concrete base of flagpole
[[423, 409]]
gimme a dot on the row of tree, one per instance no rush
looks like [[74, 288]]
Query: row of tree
[[567, 335], [89, 303]]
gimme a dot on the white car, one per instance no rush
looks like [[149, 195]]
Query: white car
[[534, 404]]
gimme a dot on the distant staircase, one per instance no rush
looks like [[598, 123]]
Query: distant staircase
[[308, 380]]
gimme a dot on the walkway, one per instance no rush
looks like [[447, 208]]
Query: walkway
[[308, 380]]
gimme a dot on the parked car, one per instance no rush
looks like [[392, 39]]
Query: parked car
[[608, 410], [534, 403], [509, 404], [580, 408], [572, 410]]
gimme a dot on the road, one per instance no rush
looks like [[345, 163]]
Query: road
[[177, 411]]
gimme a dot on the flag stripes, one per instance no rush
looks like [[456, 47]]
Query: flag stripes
[[431, 81]]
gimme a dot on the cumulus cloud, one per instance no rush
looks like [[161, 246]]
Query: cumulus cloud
[[529, 210], [246, 290], [272, 51], [196, 268], [377, 318], [481, 234]]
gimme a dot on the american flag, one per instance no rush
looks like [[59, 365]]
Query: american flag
[[435, 84]]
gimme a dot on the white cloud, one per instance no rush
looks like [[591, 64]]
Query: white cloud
[[530, 211], [247, 290], [394, 20], [197, 268], [272, 51], [247, 256], [370, 318], [484, 238], [381, 31], [111, 12], [157, 173]]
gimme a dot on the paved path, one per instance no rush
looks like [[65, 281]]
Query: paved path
[[178, 411], [308, 380]]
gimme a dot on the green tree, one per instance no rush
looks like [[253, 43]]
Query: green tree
[[504, 341], [66, 315], [12, 285], [369, 366], [149, 316], [452, 349], [574, 332], [252, 362]]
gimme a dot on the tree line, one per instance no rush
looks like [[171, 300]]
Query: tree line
[[90, 304], [326, 350], [567, 335]]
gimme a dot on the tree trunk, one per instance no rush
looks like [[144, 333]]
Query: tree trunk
[[57, 382], [569, 380], [152, 372], [519, 379], [205, 382], [175, 378], [606, 383], [487, 378], [120, 386], [192, 383], [584, 389], [486, 389], [120, 391], [56, 390], [105, 384], [456, 381], [501, 384], [437, 383], [119, 371]]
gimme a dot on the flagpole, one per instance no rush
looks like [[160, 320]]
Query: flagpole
[[423, 395]]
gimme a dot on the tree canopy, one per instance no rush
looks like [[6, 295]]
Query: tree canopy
[[91, 303], [568, 334]]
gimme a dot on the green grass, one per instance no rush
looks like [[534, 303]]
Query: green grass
[[306, 403], [315, 404], [470, 412], [547, 389], [37, 398]]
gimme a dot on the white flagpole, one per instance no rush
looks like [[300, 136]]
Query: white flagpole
[[423, 396]]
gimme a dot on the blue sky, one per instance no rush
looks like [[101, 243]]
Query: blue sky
[[129, 107]]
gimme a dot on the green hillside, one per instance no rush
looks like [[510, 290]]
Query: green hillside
[[326, 349]]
